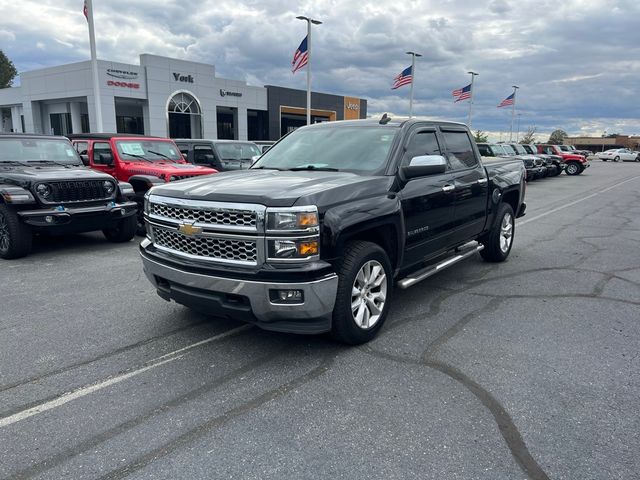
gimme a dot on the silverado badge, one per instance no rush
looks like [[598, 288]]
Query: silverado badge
[[189, 229]]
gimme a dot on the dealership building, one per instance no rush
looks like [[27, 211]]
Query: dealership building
[[162, 97]]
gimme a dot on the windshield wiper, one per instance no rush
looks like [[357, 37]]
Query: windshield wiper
[[139, 156], [266, 168], [19, 162], [161, 155], [53, 161], [313, 167]]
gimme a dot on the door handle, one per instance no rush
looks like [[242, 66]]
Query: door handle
[[482, 181], [448, 188]]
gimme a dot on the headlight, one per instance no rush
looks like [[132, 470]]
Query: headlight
[[304, 219], [293, 249], [146, 201], [108, 186], [43, 190]]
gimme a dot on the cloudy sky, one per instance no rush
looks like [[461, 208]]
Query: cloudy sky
[[577, 61]]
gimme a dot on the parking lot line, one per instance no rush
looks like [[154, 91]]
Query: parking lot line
[[570, 204], [84, 391]]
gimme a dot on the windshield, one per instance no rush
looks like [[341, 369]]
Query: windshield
[[565, 148], [528, 149], [508, 149], [353, 149], [237, 151], [519, 149], [43, 150], [153, 150]]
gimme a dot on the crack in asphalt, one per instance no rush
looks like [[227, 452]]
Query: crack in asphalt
[[196, 433], [90, 443]]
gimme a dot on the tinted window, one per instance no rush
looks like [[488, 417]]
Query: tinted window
[[459, 150], [485, 151], [203, 154], [422, 143], [184, 149], [82, 147], [98, 148]]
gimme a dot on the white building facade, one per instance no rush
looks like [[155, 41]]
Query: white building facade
[[161, 97]]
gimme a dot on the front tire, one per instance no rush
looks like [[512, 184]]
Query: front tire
[[15, 237], [617, 159], [498, 242], [365, 283], [574, 168], [124, 231]]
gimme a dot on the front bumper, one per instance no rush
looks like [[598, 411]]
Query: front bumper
[[78, 219], [244, 300]]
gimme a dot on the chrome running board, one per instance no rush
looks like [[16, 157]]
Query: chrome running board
[[462, 252]]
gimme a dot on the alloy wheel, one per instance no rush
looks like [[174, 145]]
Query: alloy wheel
[[368, 294], [506, 233], [4, 233]]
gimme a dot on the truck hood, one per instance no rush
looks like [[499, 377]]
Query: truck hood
[[25, 176], [278, 188]]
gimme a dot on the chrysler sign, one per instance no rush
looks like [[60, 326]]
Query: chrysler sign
[[227, 93], [125, 75]]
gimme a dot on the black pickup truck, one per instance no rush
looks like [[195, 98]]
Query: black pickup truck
[[314, 236], [45, 188]]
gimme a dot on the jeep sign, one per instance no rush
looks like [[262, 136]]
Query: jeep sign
[[224, 93]]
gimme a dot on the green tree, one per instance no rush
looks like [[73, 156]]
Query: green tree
[[7, 71], [480, 136], [529, 136], [557, 137]]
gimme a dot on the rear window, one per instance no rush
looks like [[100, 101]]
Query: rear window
[[459, 150]]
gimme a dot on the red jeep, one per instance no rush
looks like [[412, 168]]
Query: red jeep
[[576, 164], [141, 161]]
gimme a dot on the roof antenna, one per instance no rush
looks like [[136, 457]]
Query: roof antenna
[[385, 119]]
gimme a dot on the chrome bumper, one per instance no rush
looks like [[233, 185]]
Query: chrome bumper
[[219, 296], [56, 216]]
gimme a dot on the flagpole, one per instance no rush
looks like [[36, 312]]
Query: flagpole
[[94, 66], [309, 22], [413, 79], [473, 75], [513, 111]]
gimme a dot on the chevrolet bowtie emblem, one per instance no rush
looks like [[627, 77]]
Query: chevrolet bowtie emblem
[[189, 229]]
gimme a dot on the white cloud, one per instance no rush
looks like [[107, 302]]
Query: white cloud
[[577, 62]]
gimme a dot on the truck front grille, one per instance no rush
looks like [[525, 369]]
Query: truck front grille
[[205, 246], [240, 218], [77, 191]]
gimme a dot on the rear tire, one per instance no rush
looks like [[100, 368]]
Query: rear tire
[[123, 232], [16, 238], [617, 159], [498, 242], [365, 283]]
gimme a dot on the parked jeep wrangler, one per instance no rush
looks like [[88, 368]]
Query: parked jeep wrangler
[[313, 237], [141, 161], [45, 188]]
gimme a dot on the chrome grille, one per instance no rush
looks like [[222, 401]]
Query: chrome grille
[[77, 191], [241, 218], [206, 247]]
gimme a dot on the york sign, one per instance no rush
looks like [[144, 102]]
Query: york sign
[[183, 78]]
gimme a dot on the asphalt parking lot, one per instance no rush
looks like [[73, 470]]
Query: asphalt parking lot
[[526, 369]]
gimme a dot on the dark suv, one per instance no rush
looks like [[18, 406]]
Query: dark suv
[[223, 155], [45, 188]]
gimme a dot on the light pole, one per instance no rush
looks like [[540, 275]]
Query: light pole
[[513, 111], [309, 22], [413, 79], [473, 75], [518, 134]]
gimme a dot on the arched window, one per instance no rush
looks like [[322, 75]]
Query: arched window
[[184, 116], [184, 103]]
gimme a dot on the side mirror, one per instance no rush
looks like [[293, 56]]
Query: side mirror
[[424, 165], [85, 159], [106, 159]]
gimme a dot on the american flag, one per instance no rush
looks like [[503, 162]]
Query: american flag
[[463, 93], [85, 10], [301, 57], [404, 78], [507, 101]]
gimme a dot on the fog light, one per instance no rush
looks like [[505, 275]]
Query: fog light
[[286, 296], [48, 219]]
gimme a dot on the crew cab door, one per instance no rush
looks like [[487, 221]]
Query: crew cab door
[[427, 202], [471, 184]]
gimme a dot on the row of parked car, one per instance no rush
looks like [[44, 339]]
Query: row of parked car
[[46, 187], [540, 160]]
